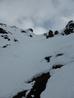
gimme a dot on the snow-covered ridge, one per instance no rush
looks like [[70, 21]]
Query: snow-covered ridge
[[12, 34], [34, 66]]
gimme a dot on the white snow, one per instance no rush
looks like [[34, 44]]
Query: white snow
[[25, 58]]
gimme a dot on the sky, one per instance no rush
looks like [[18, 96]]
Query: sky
[[41, 15]]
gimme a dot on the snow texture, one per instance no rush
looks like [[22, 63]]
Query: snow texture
[[23, 57]]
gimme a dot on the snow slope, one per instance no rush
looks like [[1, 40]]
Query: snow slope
[[23, 56]]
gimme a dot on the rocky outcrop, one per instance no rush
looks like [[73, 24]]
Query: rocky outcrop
[[2, 31], [69, 28]]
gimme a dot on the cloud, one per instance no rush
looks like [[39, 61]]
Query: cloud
[[41, 14]]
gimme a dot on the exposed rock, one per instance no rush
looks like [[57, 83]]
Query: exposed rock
[[31, 35], [15, 40], [39, 85], [57, 66], [70, 25], [5, 37], [68, 31], [50, 34], [23, 31], [2, 31], [30, 29], [47, 58], [56, 32], [5, 46], [69, 28], [20, 94], [60, 54]]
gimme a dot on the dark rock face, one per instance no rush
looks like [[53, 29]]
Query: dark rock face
[[5, 46], [60, 54], [47, 58], [5, 37], [30, 35], [70, 25], [69, 28], [56, 32], [38, 87], [50, 34], [20, 94], [57, 66], [2, 31], [23, 31], [30, 29], [68, 31], [15, 40]]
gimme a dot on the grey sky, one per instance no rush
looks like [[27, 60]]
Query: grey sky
[[38, 14]]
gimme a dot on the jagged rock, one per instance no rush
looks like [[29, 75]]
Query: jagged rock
[[5, 37], [70, 25], [2, 31], [57, 66], [15, 40], [30, 29], [47, 58], [20, 94], [69, 28], [23, 31], [31, 35], [5, 46], [68, 31], [50, 34], [39, 85], [60, 54], [56, 32]]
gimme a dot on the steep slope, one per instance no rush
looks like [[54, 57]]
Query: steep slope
[[34, 66]]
